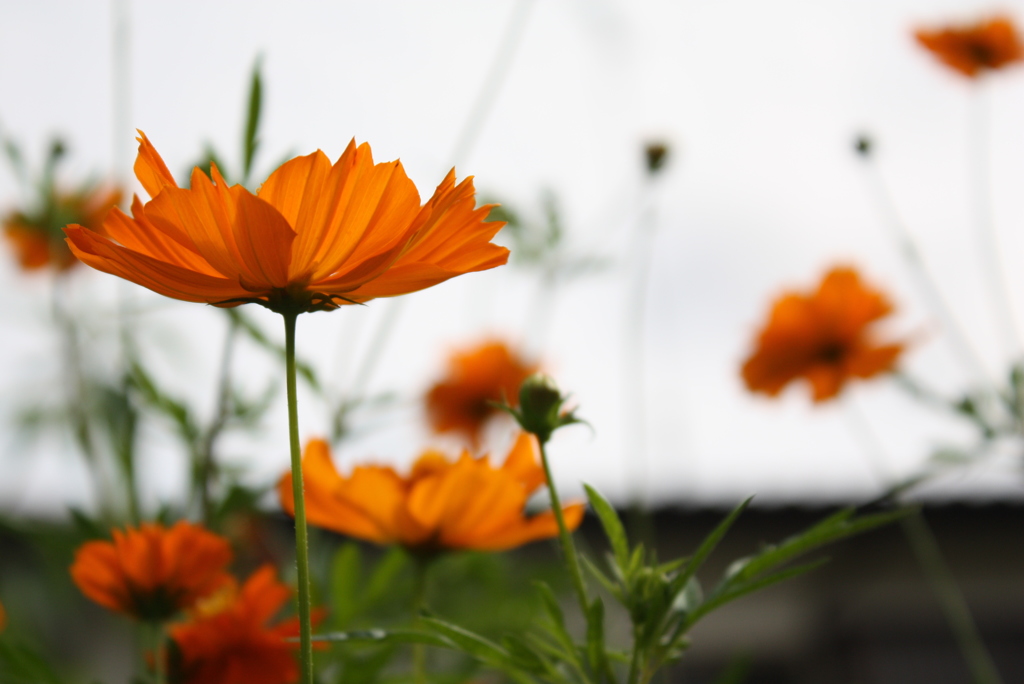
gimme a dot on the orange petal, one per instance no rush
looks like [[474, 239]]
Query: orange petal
[[159, 276], [150, 168], [264, 240]]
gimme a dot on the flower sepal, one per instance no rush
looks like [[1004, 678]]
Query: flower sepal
[[540, 407]]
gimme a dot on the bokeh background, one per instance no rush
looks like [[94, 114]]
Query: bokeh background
[[759, 105]]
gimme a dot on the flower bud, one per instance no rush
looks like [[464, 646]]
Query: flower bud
[[540, 404]]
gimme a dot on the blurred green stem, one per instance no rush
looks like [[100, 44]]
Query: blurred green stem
[[159, 654], [301, 533], [954, 605], [419, 602], [929, 556], [206, 466], [568, 549]]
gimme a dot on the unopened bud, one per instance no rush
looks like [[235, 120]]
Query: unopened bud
[[656, 154], [863, 145], [540, 407]]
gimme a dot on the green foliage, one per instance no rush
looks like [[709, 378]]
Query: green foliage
[[22, 665]]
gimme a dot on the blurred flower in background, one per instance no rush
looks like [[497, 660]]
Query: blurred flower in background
[[477, 377], [822, 337], [974, 49], [35, 232], [152, 573], [230, 639], [441, 504]]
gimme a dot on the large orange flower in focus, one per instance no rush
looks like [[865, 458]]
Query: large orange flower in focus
[[974, 49], [230, 639], [465, 504], [461, 402], [822, 337], [152, 573], [37, 237], [313, 237]]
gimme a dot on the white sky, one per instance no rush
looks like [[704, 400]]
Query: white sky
[[760, 102]]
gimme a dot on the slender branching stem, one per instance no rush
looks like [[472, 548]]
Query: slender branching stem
[[568, 549], [206, 465], [301, 534]]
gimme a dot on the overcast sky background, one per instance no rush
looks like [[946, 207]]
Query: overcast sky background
[[759, 102]]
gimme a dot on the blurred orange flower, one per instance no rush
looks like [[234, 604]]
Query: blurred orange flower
[[477, 376], [229, 638], [976, 48], [151, 573], [3, 618], [466, 504], [822, 337], [314, 237], [36, 236]]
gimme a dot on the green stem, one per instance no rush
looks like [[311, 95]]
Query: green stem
[[568, 549], [301, 534], [419, 601], [159, 655], [958, 614], [634, 663]]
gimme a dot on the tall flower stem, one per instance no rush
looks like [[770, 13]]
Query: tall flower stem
[[988, 235], [929, 556], [301, 533], [419, 601], [568, 549]]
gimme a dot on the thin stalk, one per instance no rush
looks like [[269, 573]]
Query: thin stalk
[[568, 549], [206, 467], [419, 602], [954, 605], [493, 81], [918, 268], [298, 491], [1006, 321], [159, 654], [929, 557], [634, 662]]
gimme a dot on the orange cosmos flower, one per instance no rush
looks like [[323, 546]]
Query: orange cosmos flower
[[313, 237], [466, 504], [229, 638], [976, 48], [36, 237], [151, 573], [476, 377], [822, 337]]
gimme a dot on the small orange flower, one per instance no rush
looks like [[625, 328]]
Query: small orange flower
[[152, 573], [314, 237], [37, 237], [822, 337], [476, 377], [229, 639], [976, 48], [468, 504]]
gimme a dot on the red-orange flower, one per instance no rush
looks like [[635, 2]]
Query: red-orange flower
[[976, 48], [152, 573], [313, 237], [823, 337], [461, 402], [230, 638], [3, 618], [37, 237], [466, 504]]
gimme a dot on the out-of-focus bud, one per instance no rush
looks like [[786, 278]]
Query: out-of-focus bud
[[656, 154], [540, 407], [863, 145]]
